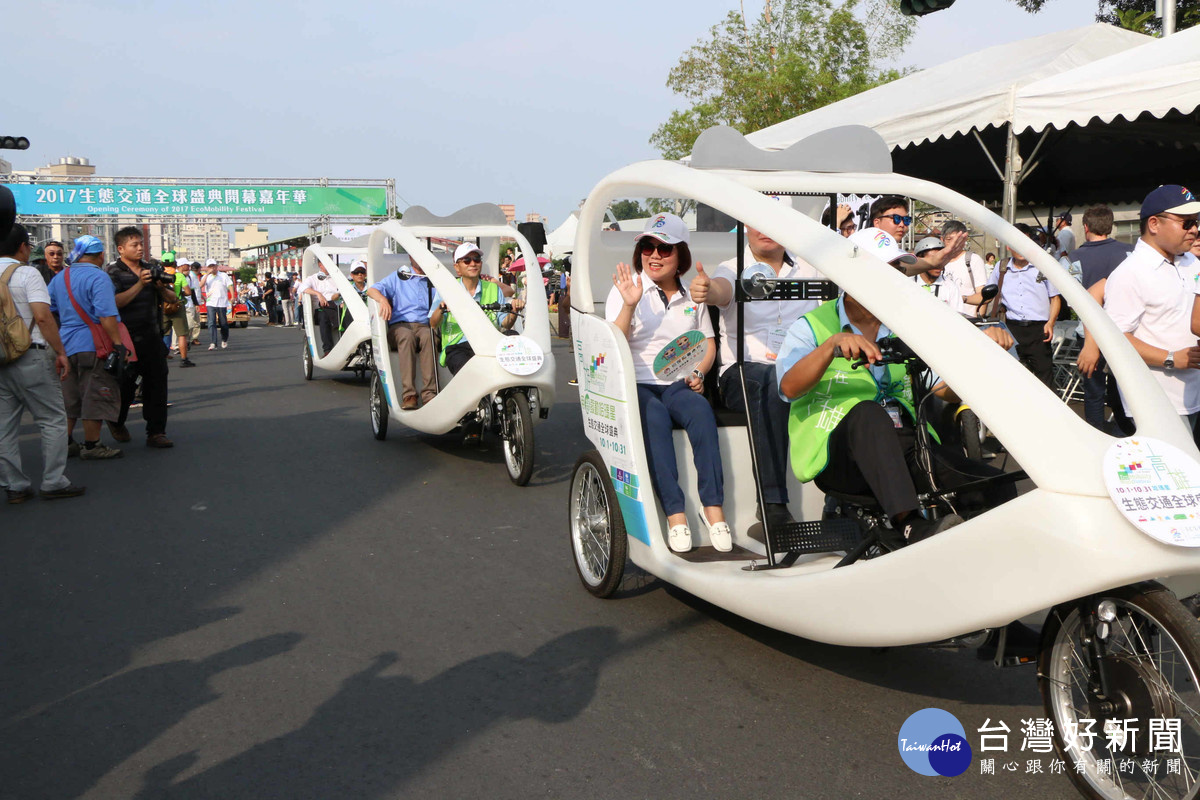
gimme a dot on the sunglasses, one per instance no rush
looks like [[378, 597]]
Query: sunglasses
[[471, 260], [650, 247], [898, 219], [1186, 224]]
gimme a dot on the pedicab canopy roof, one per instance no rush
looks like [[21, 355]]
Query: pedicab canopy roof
[[1103, 114]]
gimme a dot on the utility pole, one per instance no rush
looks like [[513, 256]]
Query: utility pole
[[1165, 10]]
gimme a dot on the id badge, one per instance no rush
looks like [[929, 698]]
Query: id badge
[[775, 339], [894, 413]]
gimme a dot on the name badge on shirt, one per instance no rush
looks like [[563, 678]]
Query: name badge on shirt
[[894, 413], [775, 339]]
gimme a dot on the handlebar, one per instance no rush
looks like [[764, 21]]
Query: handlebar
[[497, 307], [892, 350]]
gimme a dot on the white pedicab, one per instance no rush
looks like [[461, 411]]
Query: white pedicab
[[352, 350], [509, 382], [1114, 645]]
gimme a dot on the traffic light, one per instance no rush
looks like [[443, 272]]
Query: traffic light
[[919, 8], [14, 143]]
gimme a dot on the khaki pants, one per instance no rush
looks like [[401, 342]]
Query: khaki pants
[[193, 322], [413, 341]]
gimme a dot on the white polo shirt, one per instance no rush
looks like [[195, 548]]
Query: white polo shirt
[[216, 290], [656, 324], [944, 290], [326, 288], [1150, 297], [767, 321], [968, 278], [26, 286]]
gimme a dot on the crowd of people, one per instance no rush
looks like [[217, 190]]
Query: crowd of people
[[852, 431]]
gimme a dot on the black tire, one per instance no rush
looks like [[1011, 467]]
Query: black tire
[[244, 323], [379, 408], [308, 362], [1152, 663], [598, 542], [970, 431], [518, 440]]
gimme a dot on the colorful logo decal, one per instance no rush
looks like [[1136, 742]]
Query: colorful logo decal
[[933, 742], [597, 360], [660, 220], [1156, 487]]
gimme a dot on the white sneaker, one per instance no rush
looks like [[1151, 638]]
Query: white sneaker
[[680, 538], [224, 345], [212, 347], [720, 535]]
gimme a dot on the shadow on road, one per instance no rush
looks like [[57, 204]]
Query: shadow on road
[[379, 731]]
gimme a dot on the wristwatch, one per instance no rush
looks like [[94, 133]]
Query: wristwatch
[[1169, 362]]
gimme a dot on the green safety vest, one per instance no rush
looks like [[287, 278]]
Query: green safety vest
[[814, 416], [451, 333]]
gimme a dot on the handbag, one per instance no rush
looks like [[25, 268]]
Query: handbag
[[100, 339]]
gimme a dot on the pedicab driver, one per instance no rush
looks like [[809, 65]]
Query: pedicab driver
[[852, 430], [456, 350], [766, 324]]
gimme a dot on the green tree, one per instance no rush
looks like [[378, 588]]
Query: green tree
[[247, 273], [1136, 15], [796, 56], [628, 209]]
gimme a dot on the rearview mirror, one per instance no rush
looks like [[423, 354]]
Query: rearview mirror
[[989, 292]]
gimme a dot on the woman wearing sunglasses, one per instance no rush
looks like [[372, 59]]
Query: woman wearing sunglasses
[[650, 305]]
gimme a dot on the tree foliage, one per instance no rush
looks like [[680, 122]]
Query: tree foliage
[[1136, 15], [795, 56], [247, 273], [628, 209]]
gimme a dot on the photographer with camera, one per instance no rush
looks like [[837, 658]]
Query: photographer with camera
[[83, 298], [140, 292], [177, 313]]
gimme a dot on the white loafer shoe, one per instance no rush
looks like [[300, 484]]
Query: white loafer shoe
[[720, 536], [680, 538]]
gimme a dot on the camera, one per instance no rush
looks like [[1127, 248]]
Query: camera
[[114, 362], [158, 274]]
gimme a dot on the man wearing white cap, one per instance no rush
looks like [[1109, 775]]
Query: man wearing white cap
[[322, 288], [216, 286], [456, 350], [853, 430]]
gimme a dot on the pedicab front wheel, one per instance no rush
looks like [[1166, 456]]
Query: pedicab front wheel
[[598, 539], [379, 408], [308, 362], [518, 438], [1128, 654]]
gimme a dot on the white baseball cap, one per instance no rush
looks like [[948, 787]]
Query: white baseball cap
[[465, 249], [667, 228], [212, 262], [882, 245]]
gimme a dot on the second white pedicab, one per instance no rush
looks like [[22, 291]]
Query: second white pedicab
[[1083, 550], [351, 350], [508, 385]]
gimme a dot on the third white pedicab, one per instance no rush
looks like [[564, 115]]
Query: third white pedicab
[[1080, 548], [508, 385], [351, 350]]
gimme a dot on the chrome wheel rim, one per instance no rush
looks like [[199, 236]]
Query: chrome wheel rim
[[1168, 686], [514, 439], [591, 533], [376, 404]]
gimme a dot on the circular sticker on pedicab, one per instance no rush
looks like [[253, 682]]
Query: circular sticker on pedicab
[[679, 356], [519, 355], [1156, 486]]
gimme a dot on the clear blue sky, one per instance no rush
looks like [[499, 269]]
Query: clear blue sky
[[460, 102]]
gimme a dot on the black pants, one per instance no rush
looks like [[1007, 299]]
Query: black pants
[[327, 320], [1033, 350], [769, 414], [274, 311], [457, 355], [152, 366], [868, 455]]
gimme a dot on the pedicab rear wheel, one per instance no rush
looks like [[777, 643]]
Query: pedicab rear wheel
[[308, 362], [379, 408], [598, 540], [1152, 664], [518, 438]]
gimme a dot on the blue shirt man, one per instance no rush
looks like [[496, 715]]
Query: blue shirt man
[[408, 296], [404, 299], [93, 290], [1031, 304]]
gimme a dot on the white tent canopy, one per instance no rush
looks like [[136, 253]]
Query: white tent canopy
[[562, 239], [970, 92], [1161, 76]]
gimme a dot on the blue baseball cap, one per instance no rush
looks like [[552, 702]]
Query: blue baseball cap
[[85, 245], [1169, 199]]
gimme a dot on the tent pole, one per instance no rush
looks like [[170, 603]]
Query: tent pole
[[1032, 162], [1012, 170], [982, 146]]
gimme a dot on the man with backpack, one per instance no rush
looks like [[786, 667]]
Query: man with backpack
[[32, 361]]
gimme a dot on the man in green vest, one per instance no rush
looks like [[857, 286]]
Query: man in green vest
[[852, 430], [456, 350]]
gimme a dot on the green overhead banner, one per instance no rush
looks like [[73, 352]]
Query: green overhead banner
[[118, 199]]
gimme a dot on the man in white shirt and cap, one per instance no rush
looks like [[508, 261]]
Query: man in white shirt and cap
[[323, 289]]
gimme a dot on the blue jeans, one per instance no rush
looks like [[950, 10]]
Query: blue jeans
[[217, 316], [1101, 388], [662, 409], [769, 415]]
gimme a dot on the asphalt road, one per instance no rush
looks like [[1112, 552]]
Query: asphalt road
[[283, 607]]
